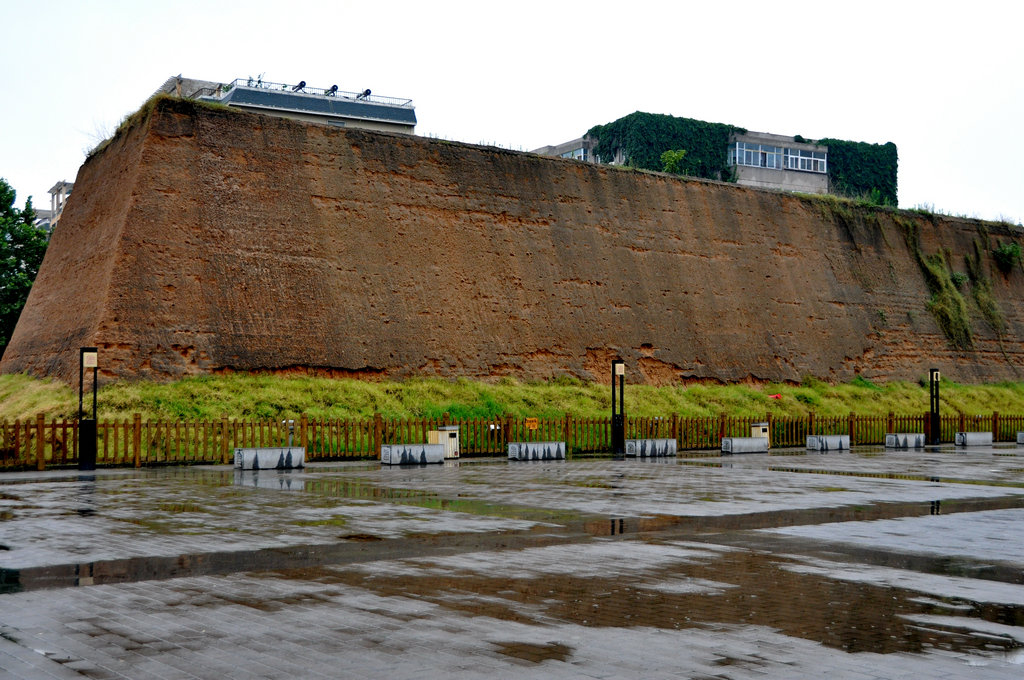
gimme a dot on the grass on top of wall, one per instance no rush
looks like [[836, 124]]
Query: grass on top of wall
[[269, 397]]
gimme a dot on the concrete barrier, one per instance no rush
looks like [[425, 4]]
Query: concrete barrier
[[973, 439], [536, 450], [270, 458], [828, 442], [904, 440], [411, 454], [653, 448], [1020, 437], [744, 444]]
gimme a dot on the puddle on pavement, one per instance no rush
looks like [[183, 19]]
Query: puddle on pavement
[[851, 616], [534, 653]]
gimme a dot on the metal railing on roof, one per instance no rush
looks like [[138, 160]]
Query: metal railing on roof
[[333, 93]]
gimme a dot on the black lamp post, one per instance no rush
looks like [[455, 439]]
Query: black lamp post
[[935, 429], [619, 416], [88, 357]]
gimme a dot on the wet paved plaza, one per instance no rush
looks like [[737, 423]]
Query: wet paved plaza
[[859, 565]]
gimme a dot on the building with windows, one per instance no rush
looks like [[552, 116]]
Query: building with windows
[[778, 162], [580, 149], [330, 106], [757, 159], [58, 198]]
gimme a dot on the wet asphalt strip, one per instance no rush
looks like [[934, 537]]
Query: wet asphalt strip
[[733, 530]]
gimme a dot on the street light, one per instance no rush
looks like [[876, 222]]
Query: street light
[[88, 357], [619, 416]]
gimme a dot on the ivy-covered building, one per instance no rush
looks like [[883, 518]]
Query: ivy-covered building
[[729, 153]]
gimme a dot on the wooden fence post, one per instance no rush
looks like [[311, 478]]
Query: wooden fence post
[[40, 442], [770, 419], [224, 439], [675, 428], [568, 433], [721, 427], [810, 423], [304, 432], [995, 426], [852, 423], [890, 424], [378, 431], [137, 439], [963, 422], [17, 439]]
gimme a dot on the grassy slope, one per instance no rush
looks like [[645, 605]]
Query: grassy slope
[[270, 397]]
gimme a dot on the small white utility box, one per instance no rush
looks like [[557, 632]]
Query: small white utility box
[[447, 435], [761, 430]]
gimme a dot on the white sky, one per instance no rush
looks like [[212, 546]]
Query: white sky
[[943, 80]]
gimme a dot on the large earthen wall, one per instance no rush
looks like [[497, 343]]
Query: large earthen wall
[[205, 240]]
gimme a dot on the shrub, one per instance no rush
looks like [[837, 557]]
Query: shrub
[[1007, 256]]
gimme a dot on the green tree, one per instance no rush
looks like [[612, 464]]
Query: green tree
[[672, 161], [22, 246]]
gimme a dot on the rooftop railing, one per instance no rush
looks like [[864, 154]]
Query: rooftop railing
[[332, 93]]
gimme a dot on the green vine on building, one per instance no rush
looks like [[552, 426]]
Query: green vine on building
[[644, 137], [862, 170]]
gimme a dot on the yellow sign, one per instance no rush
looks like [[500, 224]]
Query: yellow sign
[[90, 359], [532, 424]]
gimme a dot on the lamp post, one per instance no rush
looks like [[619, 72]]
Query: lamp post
[[619, 416], [935, 427], [88, 357]]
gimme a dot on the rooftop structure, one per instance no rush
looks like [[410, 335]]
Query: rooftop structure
[[59, 194], [301, 102], [580, 149]]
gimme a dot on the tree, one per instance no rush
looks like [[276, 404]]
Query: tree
[[22, 246], [672, 161]]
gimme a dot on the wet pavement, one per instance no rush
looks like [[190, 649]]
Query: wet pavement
[[863, 564]]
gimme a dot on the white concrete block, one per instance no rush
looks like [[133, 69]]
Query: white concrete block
[[1020, 437], [745, 445], [904, 440], [270, 458], [536, 450], [973, 439], [828, 442], [644, 448], [411, 454]]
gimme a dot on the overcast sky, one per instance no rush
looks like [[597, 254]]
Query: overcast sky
[[943, 80]]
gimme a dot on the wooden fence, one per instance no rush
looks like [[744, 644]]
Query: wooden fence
[[38, 444]]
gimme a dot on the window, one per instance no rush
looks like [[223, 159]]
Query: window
[[807, 161], [756, 155]]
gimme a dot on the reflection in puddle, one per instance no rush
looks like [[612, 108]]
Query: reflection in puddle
[[533, 652], [739, 587]]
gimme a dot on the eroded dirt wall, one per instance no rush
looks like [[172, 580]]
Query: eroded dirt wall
[[204, 240]]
